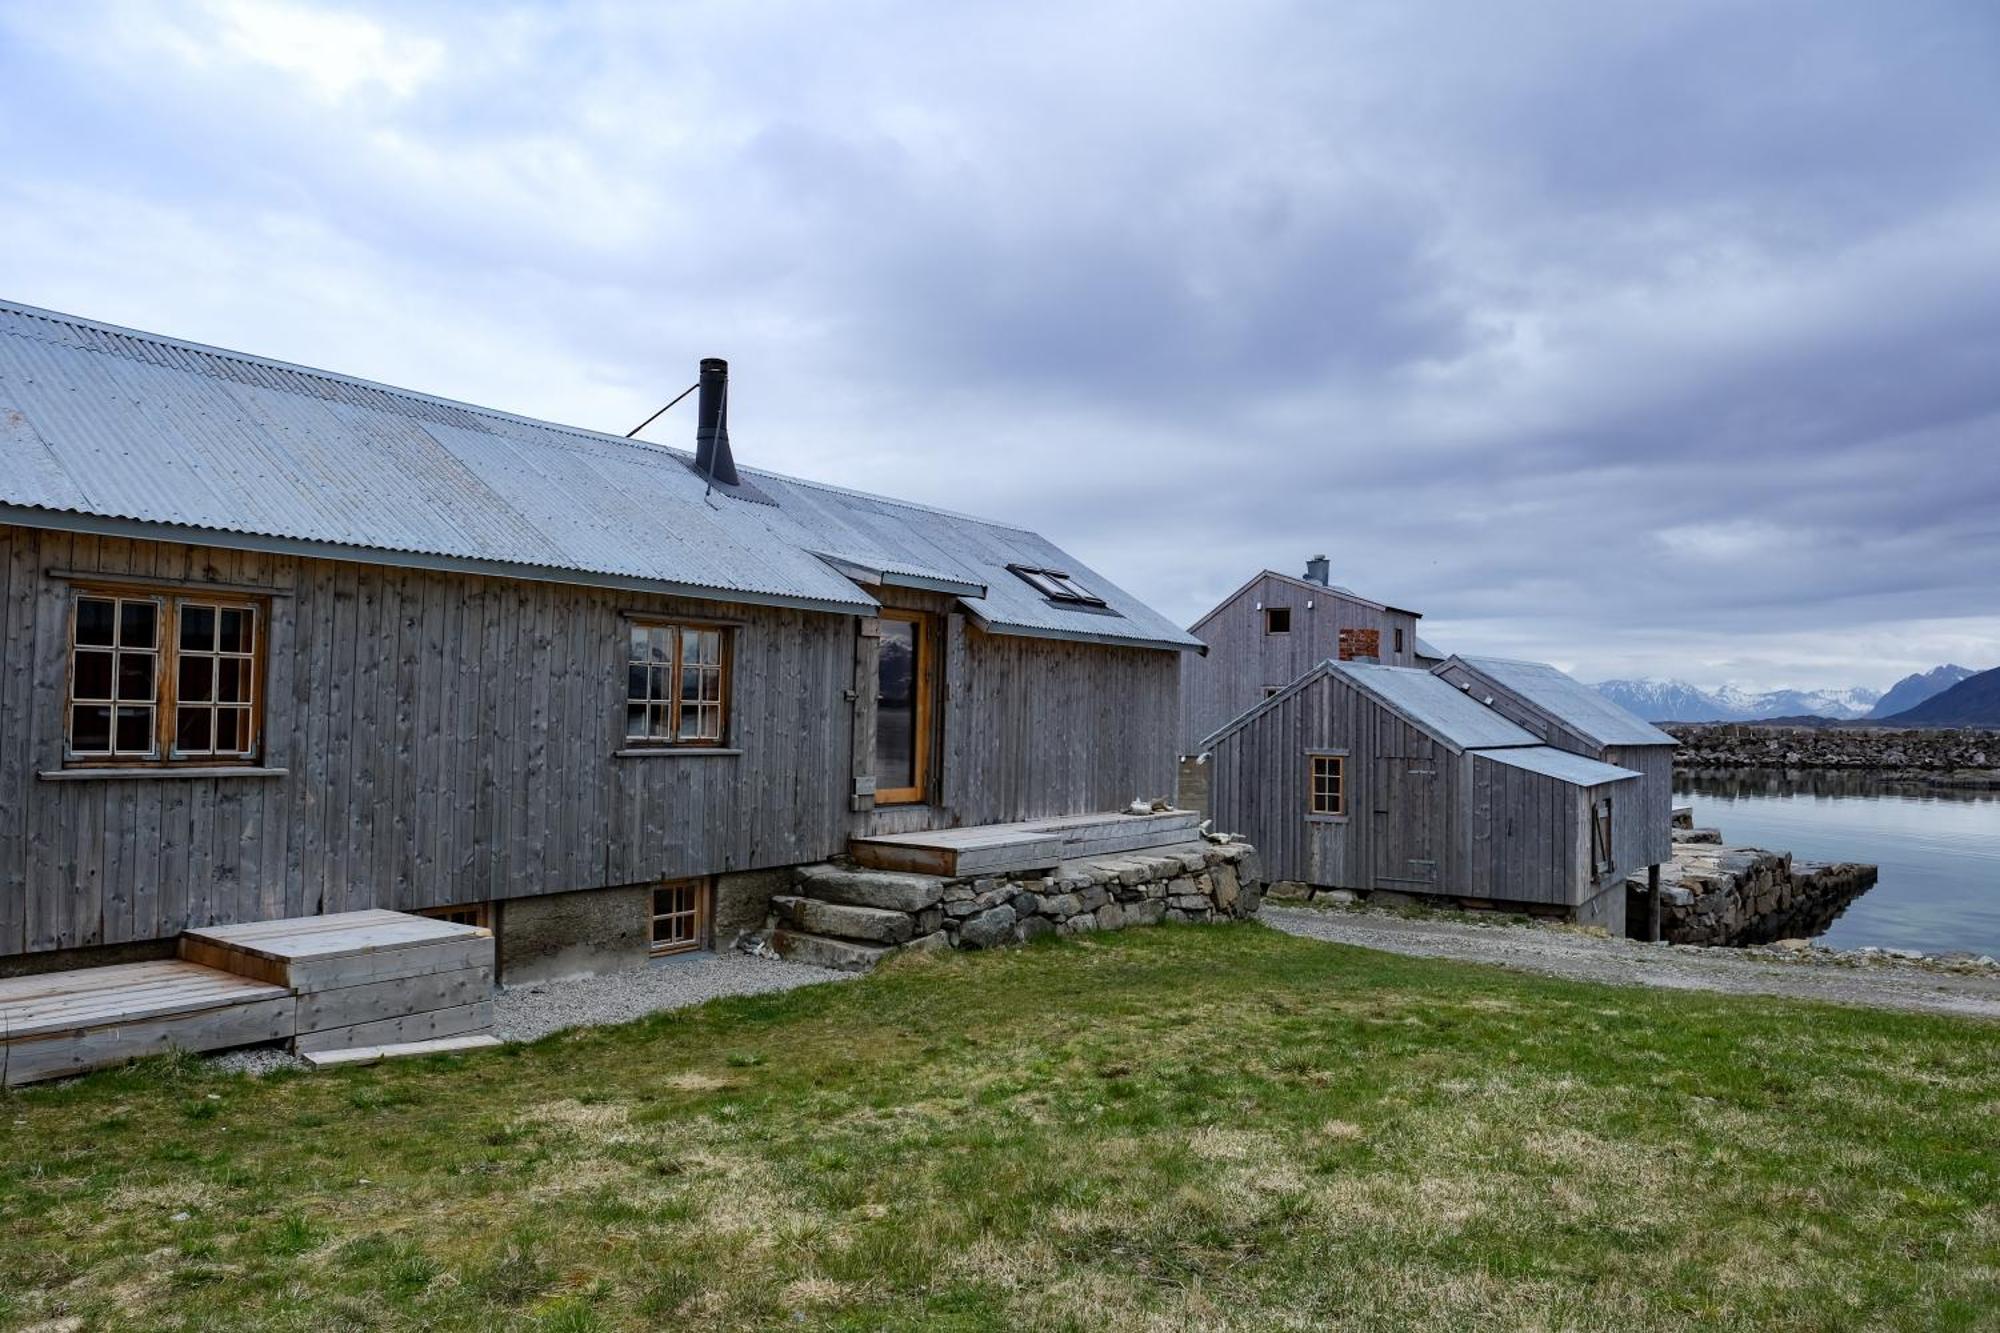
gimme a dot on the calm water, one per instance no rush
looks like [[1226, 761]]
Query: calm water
[[1939, 850]]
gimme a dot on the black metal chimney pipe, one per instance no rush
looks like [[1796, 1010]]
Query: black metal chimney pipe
[[711, 430]]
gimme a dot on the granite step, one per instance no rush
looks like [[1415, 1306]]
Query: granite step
[[887, 890], [798, 946], [869, 925]]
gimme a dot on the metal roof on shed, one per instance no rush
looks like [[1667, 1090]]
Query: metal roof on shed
[[1436, 705], [1560, 765], [120, 427], [1568, 700]]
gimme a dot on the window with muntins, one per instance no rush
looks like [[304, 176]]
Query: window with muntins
[[676, 685], [163, 678], [680, 916], [1328, 785]]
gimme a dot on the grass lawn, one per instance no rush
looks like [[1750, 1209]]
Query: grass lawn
[[1206, 1127]]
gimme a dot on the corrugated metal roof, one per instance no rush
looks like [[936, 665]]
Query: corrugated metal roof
[[118, 425], [1425, 648], [1436, 705], [1560, 765], [1568, 699]]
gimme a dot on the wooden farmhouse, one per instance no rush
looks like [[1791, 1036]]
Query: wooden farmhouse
[[1273, 630], [280, 642], [1392, 779]]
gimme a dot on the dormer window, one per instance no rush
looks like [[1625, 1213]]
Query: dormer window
[[1056, 585]]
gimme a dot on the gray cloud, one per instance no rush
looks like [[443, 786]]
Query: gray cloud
[[1651, 339]]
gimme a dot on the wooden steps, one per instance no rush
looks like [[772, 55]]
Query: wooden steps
[[372, 978], [351, 980], [61, 1023], [1039, 844]]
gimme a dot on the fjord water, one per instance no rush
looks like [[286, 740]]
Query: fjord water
[[1938, 849]]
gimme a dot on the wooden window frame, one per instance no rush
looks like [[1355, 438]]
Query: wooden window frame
[[1314, 788], [925, 685], [169, 603], [1399, 640], [1271, 611], [677, 629], [700, 917]]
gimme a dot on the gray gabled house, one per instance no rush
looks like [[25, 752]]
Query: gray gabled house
[[1562, 711], [280, 642], [1274, 629], [1391, 779]]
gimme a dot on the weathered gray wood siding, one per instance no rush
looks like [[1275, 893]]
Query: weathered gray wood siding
[[1531, 840], [1488, 830], [1647, 840], [1258, 782], [1643, 833], [1027, 728], [446, 738], [1243, 662]]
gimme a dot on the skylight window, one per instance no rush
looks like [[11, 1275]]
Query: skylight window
[[1057, 586]]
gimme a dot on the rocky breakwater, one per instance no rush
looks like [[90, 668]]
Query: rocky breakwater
[[1716, 895], [1970, 758], [849, 918]]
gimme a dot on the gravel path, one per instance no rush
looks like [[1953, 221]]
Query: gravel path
[[1888, 984], [523, 1013]]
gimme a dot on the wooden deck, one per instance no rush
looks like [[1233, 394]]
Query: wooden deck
[[353, 979], [1036, 844], [67, 1022]]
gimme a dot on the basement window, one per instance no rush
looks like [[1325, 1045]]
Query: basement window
[[1277, 620], [1057, 586], [1327, 784], [157, 678], [676, 685], [463, 914], [680, 916]]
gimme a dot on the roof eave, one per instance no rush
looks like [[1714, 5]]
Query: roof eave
[[64, 520]]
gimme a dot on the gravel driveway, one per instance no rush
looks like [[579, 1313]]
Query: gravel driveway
[[523, 1013], [1887, 984]]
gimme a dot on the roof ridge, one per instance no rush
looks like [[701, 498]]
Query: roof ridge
[[459, 404]]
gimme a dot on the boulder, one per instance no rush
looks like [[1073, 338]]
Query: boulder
[[991, 927]]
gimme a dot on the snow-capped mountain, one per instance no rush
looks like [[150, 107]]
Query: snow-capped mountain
[[1665, 700], [1678, 701], [1913, 690]]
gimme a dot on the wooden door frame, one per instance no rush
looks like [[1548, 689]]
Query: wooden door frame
[[925, 686]]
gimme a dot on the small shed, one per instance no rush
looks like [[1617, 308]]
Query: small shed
[[1565, 713], [1381, 778]]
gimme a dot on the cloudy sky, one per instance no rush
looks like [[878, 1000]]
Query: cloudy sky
[[1655, 339]]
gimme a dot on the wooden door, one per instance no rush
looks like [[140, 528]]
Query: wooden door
[[905, 686], [1406, 818]]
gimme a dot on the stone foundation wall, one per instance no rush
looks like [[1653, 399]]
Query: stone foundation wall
[[1737, 896], [1214, 883], [844, 917]]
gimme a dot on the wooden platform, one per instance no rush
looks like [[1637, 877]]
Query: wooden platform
[[353, 979], [1036, 844], [371, 978], [67, 1022]]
